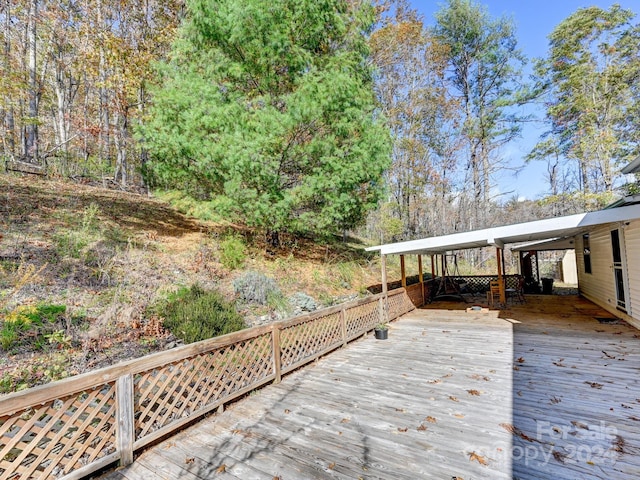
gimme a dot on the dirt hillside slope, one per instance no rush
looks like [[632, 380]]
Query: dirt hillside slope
[[106, 255]]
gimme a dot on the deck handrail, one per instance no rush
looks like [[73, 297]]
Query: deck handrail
[[73, 427]]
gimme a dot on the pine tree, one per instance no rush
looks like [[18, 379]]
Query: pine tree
[[267, 109]]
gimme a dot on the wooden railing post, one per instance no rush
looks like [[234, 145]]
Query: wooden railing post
[[381, 310], [343, 323], [421, 277], [277, 357], [125, 432]]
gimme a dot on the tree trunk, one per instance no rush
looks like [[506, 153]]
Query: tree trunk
[[144, 153], [273, 240], [104, 137], [8, 135], [120, 140], [61, 112], [31, 144]]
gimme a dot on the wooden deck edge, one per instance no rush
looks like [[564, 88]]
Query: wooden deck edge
[[634, 322]]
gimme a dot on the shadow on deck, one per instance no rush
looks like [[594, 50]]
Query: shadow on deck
[[545, 390]]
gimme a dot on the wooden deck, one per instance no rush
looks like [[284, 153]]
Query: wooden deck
[[538, 391]]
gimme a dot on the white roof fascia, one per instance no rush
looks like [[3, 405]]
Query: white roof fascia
[[521, 232], [633, 167], [561, 243]]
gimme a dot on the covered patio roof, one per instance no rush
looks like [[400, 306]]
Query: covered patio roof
[[551, 228]]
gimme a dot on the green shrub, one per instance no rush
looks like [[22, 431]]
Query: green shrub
[[346, 273], [9, 334], [232, 252], [193, 314], [254, 287], [28, 325], [90, 221], [70, 243]]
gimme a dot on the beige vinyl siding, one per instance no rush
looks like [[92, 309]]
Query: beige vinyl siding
[[599, 286], [599, 283], [632, 244]]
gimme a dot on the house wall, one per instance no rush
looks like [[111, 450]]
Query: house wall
[[599, 286], [569, 269], [632, 240]]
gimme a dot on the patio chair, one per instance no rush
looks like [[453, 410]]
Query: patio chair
[[493, 294], [518, 292]]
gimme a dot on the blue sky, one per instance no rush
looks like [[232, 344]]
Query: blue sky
[[535, 20]]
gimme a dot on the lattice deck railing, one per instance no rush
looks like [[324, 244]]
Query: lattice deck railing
[[71, 428], [480, 283]]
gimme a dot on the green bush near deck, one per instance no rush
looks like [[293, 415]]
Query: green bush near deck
[[232, 252], [193, 314]]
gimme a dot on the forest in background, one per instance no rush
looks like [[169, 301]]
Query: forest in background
[[78, 76], [397, 132]]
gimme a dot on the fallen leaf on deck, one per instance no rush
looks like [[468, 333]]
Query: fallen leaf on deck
[[452, 398], [478, 458], [345, 420], [520, 360], [619, 444], [509, 428], [555, 400], [559, 456], [189, 460], [516, 432], [331, 466], [402, 429], [434, 381], [286, 410], [594, 385], [473, 392], [221, 469], [401, 410], [581, 425], [422, 427], [458, 415], [431, 419]]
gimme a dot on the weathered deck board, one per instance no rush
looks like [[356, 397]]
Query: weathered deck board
[[538, 391]]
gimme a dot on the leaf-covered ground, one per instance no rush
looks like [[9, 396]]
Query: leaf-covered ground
[[106, 255]]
